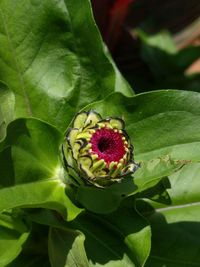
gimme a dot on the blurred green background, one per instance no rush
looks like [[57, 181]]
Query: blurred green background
[[155, 43]]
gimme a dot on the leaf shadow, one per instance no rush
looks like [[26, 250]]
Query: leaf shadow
[[174, 243], [114, 237]]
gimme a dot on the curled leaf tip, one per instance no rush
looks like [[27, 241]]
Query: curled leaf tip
[[98, 151]]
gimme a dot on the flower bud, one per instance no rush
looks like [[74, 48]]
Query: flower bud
[[98, 151]]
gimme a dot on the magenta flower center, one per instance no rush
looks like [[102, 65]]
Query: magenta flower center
[[108, 145]]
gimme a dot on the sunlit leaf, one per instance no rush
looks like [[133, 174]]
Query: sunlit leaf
[[155, 123], [13, 234], [176, 227], [66, 248], [52, 66], [31, 169]]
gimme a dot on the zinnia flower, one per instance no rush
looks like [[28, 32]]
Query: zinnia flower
[[98, 151]]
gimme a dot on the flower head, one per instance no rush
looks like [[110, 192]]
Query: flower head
[[98, 151]]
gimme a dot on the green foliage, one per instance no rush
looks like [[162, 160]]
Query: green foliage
[[166, 64], [6, 108], [14, 233], [37, 35], [175, 241], [31, 161], [53, 63], [175, 228], [66, 247]]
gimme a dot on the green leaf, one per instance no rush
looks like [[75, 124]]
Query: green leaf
[[105, 200], [7, 101], [152, 171], [159, 51], [162, 40], [48, 194], [162, 56], [66, 248], [35, 150], [185, 185], [14, 233], [148, 181], [167, 65], [155, 123], [175, 236], [52, 57], [158, 192], [31, 169], [120, 239], [176, 228]]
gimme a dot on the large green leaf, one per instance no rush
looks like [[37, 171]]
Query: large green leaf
[[155, 120], [52, 57], [185, 185], [175, 232], [48, 194], [176, 228], [31, 170], [164, 127], [148, 182], [184, 189], [120, 239], [152, 171], [13, 233], [35, 149], [105, 200]]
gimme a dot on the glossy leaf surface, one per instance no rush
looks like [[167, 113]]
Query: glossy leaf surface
[[66, 248], [185, 185], [31, 172], [109, 240], [154, 122], [52, 67], [115, 240], [174, 241], [176, 228]]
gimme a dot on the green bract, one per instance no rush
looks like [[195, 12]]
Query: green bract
[[98, 151]]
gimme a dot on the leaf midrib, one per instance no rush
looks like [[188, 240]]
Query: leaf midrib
[[182, 206]]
